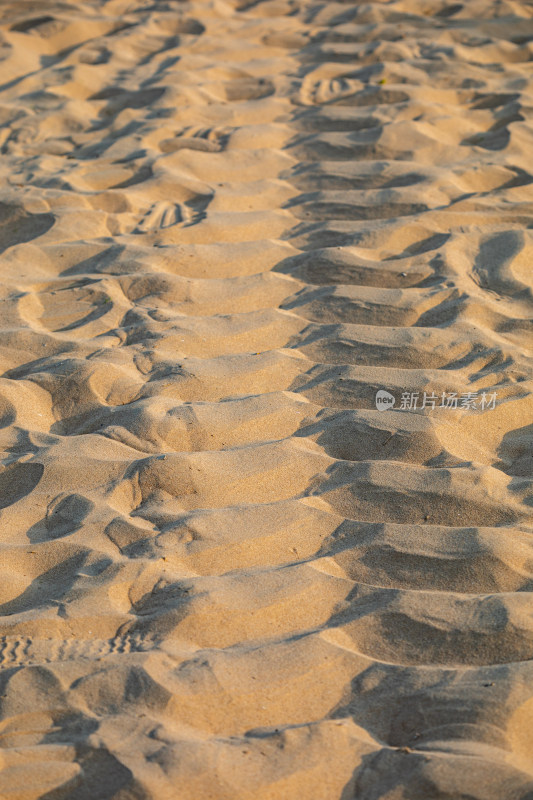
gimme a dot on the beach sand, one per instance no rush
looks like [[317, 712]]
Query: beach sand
[[225, 573]]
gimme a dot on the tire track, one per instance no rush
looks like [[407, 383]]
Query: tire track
[[224, 228]]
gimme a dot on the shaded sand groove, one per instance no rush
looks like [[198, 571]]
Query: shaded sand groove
[[223, 227]]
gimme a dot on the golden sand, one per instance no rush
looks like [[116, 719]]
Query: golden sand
[[225, 574]]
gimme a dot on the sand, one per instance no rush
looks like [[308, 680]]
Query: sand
[[224, 227]]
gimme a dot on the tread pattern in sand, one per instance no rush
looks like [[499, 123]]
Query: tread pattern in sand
[[224, 226]]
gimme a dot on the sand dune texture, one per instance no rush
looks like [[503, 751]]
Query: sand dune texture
[[223, 227]]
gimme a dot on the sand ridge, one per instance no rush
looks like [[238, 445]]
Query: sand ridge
[[224, 226]]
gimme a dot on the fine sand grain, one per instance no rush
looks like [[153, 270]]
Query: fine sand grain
[[224, 573]]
